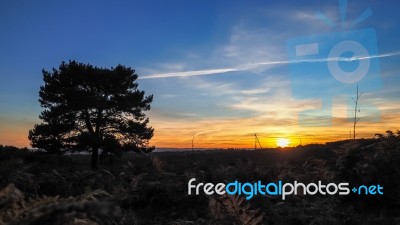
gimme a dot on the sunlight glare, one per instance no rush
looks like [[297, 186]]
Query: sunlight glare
[[282, 142]]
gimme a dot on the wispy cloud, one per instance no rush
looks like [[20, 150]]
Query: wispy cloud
[[263, 104], [206, 132]]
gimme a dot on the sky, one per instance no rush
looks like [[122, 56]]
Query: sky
[[220, 71]]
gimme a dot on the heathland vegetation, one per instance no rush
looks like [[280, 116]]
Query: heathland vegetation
[[151, 188]]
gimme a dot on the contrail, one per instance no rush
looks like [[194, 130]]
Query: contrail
[[255, 65], [190, 73]]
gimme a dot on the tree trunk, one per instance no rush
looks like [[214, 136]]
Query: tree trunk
[[95, 157]]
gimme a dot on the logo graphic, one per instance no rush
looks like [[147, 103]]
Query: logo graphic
[[279, 189], [331, 65]]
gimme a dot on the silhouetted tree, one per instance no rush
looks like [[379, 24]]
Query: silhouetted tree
[[389, 135], [91, 108]]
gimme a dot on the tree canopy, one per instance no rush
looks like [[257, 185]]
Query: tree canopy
[[91, 108]]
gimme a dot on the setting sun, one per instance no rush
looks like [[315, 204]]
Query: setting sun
[[282, 142]]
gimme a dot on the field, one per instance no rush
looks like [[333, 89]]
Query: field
[[38, 188]]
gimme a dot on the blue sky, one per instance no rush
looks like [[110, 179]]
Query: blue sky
[[209, 54]]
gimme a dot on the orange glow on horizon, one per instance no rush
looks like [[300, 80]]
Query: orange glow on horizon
[[232, 133]]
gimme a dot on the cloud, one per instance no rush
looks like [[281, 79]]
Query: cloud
[[244, 47], [273, 119], [256, 48], [206, 131], [255, 91], [235, 107]]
